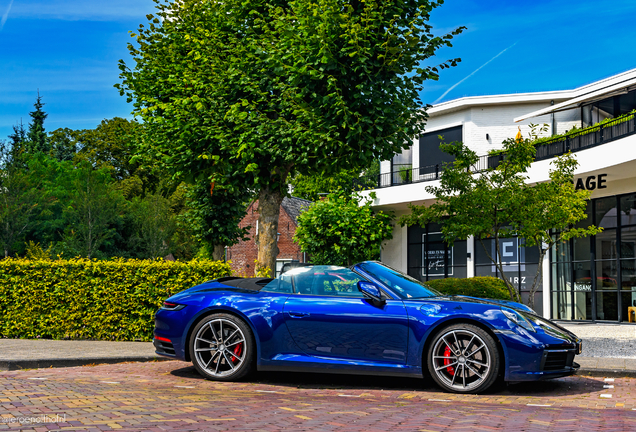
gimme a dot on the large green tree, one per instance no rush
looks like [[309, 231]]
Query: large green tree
[[154, 226], [314, 186], [499, 203], [239, 92], [93, 209], [113, 144], [21, 197], [63, 142]]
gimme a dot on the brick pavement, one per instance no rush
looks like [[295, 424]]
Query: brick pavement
[[160, 396]]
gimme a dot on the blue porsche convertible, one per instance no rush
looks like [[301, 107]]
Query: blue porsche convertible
[[367, 319]]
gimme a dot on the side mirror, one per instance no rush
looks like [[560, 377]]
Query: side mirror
[[370, 291]]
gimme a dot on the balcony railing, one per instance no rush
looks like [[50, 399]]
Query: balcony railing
[[572, 142]]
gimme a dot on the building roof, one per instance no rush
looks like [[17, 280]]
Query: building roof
[[560, 98], [295, 206]]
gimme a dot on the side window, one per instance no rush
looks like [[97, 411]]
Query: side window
[[303, 282], [343, 287], [281, 285], [328, 281]]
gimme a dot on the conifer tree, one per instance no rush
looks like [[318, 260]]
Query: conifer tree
[[12, 154], [37, 139]]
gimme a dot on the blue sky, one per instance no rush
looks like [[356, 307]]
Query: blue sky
[[68, 49]]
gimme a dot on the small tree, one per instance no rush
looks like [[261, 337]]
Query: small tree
[[499, 203], [340, 231]]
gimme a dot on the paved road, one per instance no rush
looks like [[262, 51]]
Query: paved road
[[171, 396]]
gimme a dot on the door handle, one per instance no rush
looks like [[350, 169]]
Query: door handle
[[298, 314]]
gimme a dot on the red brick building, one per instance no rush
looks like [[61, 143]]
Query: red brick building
[[244, 253]]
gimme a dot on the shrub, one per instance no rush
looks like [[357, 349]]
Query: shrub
[[89, 299], [483, 287]]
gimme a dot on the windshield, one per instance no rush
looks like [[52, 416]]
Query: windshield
[[403, 285]]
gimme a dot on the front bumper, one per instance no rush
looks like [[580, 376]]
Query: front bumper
[[539, 356]]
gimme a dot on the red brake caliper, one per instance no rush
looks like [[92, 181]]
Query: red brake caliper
[[447, 361], [238, 350]]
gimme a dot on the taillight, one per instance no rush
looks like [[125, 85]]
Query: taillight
[[172, 306], [163, 339]]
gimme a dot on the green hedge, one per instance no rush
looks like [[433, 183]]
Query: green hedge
[[89, 299], [483, 287]]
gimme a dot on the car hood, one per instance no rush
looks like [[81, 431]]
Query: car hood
[[493, 302]]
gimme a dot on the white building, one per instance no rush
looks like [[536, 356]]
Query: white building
[[587, 279]]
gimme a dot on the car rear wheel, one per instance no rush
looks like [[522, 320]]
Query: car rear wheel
[[463, 358], [222, 348]]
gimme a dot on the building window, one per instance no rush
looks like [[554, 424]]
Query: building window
[[610, 107], [429, 257], [594, 278], [431, 156], [402, 167], [279, 265]]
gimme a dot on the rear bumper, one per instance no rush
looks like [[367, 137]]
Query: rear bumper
[[164, 348]]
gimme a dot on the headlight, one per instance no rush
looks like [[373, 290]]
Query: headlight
[[550, 328], [518, 319]]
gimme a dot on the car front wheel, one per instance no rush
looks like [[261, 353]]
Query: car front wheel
[[222, 347], [463, 358]]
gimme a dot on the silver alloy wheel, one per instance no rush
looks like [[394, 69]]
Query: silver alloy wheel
[[461, 360], [219, 347]]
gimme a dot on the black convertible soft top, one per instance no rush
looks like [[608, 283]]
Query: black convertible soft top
[[252, 284]]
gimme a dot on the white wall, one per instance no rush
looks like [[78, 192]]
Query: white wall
[[617, 159], [394, 251], [496, 121]]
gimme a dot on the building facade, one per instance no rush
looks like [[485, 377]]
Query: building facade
[[589, 279], [243, 254]]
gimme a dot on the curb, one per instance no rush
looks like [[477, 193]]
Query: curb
[[610, 373], [12, 365]]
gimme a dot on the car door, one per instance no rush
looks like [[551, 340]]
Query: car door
[[328, 317]]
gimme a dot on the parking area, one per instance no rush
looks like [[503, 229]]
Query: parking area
[[172, 396]]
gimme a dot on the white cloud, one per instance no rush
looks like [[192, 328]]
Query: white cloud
[[473, 73], [5, 16]]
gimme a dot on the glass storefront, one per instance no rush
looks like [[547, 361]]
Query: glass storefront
[[591, 279], [594, 278], [520, 265], [429, 257]]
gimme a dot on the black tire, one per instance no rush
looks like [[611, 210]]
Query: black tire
[[209, 353], [463, 358]]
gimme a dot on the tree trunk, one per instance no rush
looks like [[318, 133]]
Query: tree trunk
[[269, 202], [218, 253], [538, 276], [496, 260]]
